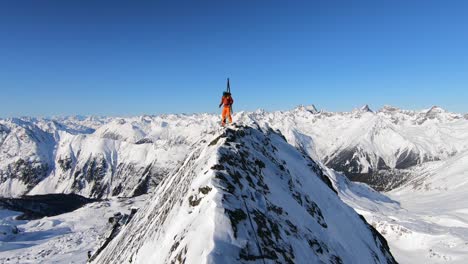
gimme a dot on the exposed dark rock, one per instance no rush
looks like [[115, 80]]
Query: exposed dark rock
[[117, 221], [276, 209], [260, 163], [407, 159], [217, 167], [236, 216], [92, 173], [314, 210], [180, 257], [30, 173], [194, 200], [366, 108], [65, 163], [144, 141], [336, 260], [175, 246], [204, 190], [118, 189], [143, 183], [318, 247]]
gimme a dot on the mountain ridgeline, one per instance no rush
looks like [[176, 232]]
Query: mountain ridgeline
[[99, 157], [250, 197]]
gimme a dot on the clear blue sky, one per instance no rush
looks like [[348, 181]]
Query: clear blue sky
[[150, 57]]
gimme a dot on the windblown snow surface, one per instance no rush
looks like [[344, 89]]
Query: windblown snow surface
[[419, 158]]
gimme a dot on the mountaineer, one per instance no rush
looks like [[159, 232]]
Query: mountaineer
[[227, 101]]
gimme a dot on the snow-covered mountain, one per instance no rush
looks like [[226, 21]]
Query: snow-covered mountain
[[419, 157], [249, 197], [103, 157], [374, 147], [111, 157]]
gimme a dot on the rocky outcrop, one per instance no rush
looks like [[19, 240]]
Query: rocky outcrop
[[30, 173]]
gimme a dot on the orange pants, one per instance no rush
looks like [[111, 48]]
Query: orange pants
[[226, 114]]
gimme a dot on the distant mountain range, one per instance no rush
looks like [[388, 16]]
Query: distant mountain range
[[103, 156]]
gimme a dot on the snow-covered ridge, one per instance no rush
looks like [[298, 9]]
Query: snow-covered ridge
[[246, 196]]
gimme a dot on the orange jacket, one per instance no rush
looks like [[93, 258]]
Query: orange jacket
[[227, 101]]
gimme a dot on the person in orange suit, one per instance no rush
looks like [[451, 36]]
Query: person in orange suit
[[227, 101]]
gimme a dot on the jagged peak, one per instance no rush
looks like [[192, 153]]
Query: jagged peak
[[310, 108], [435, 109], [361, 110], [366, 108]]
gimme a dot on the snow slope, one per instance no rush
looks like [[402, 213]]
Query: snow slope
[[247, 196], [438, 197], [424, 221], [65, 238]]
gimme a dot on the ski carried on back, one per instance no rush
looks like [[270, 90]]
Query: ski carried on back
[[226, 101]]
